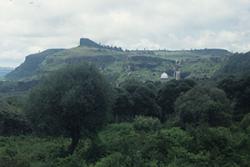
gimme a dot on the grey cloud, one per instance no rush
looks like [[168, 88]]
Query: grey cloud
[[172, 24]]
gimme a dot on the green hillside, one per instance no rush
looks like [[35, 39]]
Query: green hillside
[[31, 66], [118, 65], [238, 65]]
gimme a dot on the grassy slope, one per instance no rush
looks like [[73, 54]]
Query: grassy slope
[[118, 65]]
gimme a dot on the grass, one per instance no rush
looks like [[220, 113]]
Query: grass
[[148, 67]]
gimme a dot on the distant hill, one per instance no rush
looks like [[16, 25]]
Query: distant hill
[[118, 65], [5, 70], [237, 65], [31, 65]]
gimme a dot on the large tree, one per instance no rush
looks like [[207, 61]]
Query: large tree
[[168, 94], [204, 106], [238, 90], [134, 98], [73, 101]]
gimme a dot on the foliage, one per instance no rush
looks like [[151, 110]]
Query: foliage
[[146, 124], [196, 127], [26, 151], [168, 94], [204, 106], [237, 65], [118, 65], [135, 98], [12, 120], [72, 101], [125, 146], [238, 90]]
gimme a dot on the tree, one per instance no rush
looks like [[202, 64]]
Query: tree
[[73, 101], [238, 90], [168, 94], [12, 119], [135, 98], [122, 108], [204, 106], [145, 102], [219, 144], [146, 124]]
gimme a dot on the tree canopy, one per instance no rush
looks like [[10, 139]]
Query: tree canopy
[[204, 105], [71, 101], [168, 94]]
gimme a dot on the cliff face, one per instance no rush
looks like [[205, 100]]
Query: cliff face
[[89, 43]]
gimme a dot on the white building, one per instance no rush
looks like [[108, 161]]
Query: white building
[[164, 76]]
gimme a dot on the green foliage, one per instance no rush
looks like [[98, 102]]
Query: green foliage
[[135, 98], [12, 120], [71, 101], [122, 108], [123, 145], [238, 90], [118, 65], [26, 151], [161, 147], [146, 124], [115, 159], [168, 94], [74, 102], [237, 65], [220, 144], [204, 106], [70, 161]]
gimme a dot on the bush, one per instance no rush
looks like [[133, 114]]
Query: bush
[[146, 124], [204, 106], [10, 158], [114, 160], [70, 161], [12, 121]]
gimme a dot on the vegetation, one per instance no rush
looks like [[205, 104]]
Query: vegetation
[[237, 66], [73, 117], [203, 105], [118, 65], [71, 101]]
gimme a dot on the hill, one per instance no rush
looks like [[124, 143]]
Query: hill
[[31, 65], [237, 65], [118, 65]]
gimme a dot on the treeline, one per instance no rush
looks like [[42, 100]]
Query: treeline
[[152, 124]]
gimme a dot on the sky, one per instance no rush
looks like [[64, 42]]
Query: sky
[[30, 26]]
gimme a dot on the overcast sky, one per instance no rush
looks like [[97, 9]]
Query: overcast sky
[[28, 26]]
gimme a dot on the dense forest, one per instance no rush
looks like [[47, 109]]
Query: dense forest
[[74, 117]]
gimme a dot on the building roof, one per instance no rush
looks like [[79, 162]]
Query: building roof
[[164, 76]]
